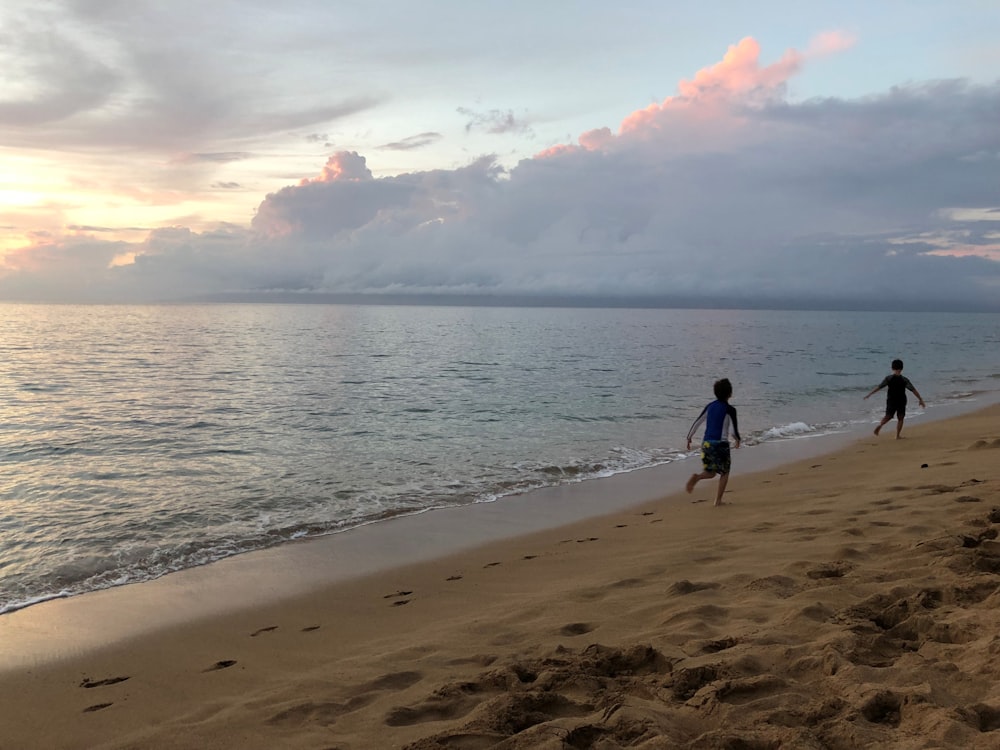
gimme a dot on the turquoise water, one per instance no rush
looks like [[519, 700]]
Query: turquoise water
[[141, 440]]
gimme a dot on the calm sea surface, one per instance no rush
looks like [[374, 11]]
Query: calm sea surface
[[140, 440]]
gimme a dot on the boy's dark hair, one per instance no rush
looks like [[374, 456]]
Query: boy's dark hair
[[723, 389], [897, 364]]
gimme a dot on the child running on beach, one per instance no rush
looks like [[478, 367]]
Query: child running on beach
[[895, 397], [717, 416]]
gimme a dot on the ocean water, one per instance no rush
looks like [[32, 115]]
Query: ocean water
[[139, 440]]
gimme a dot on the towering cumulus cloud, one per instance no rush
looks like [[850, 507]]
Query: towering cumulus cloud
[[727, 192]]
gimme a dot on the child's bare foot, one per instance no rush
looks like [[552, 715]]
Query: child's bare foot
[[717, 503], [877, 430], [691, 483]]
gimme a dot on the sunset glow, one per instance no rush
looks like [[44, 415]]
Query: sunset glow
[[699, 137]]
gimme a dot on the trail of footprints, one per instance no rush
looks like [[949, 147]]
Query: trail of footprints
[[617, 696], [398, 598], [89, 683]]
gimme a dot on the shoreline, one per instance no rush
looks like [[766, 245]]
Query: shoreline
[[842, 600], [68, 627]]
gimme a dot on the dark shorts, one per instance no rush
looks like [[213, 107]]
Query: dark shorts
[[715, 456], [895, 409]]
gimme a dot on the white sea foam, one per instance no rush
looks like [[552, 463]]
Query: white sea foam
[[793, 430]]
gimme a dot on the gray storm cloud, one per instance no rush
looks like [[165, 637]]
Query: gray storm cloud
[[774, 201]]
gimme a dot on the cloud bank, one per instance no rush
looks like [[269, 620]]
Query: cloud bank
[[726, 193]]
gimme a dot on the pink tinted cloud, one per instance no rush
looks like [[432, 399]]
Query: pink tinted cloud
[[558, 150], [739, 72], [990, 252], [739, 75], [830, 43], [592, 140], [595, 139], [343, 166]]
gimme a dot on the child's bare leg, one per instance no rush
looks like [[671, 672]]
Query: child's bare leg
[[695, 478], [899, 427], [723, 481], [881, 424]]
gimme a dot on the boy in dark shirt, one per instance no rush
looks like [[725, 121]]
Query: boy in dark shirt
[[718, 416], [895, 398]]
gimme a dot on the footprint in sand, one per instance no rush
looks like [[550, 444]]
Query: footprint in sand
[[437, 708], [491, 565], [453, 578], [96, 707], [268, 629], [720, 644], [398, 597], [224, 664], [390, 681], [576, 628], [883, 708], [89, 683], [986, 718], [830, 570], [687, 587], [625, 583], [529, 557], [310, 628]]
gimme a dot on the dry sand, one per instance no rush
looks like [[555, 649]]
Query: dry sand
[[849, 601]]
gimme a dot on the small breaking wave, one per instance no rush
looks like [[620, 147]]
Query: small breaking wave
[[793, 430]]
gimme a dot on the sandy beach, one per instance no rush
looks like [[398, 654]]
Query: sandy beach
[[846, 601]]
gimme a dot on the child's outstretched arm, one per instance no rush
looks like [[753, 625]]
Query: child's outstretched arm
[[919, 397], [874, 390]]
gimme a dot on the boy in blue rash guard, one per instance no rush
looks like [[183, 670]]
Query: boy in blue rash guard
[[895, 397], [718, 416]]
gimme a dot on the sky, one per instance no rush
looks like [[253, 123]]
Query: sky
[[821, 154]]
